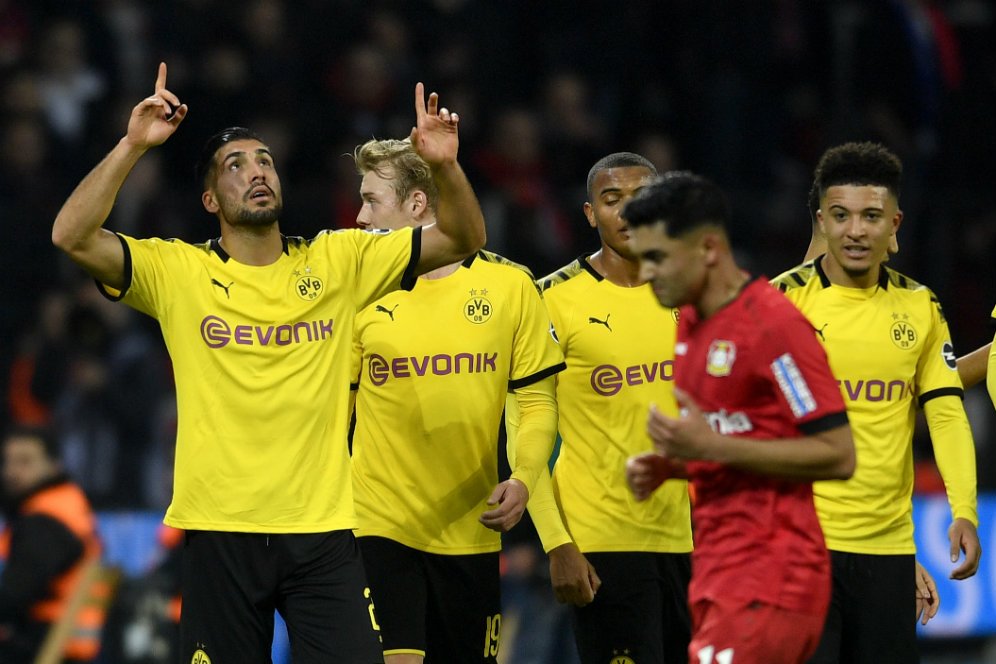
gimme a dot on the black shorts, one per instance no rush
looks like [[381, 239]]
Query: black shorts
[[872, 608], [641, 610], [447, 608], [232, 582]]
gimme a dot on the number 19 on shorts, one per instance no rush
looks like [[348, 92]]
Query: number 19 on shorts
[[492, 633]]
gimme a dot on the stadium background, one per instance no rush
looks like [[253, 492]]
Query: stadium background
[[748, 93]]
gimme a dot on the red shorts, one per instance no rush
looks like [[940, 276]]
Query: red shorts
[[736, 632]]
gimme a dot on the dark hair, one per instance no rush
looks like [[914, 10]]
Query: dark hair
[[618, 160], [205, 164], [813, 202], [45, 435], [858, 164], [682, 200]]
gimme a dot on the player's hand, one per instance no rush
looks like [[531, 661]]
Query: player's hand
[[964, 537], [434, 135], [927, 599], [155, 118], [645, 472], [684, 437], [573, 578], [510, 497]]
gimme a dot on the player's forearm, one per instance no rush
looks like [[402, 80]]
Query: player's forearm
[[458, 214], [991, 375], [546, 515], [972, 367], [86, 209], [954, 451], [537, 431], [828, 455]]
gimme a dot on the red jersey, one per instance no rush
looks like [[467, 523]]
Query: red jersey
[[756, 370]]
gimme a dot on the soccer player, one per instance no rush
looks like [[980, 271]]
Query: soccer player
[[602, 309], [889, 347], [761, 418], [433, 366], [258, 327], [972, 367]]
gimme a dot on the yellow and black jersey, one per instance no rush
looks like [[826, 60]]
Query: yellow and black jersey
[[890, 350], [434, 365], [991, 369], [261, 357], [619, 347]]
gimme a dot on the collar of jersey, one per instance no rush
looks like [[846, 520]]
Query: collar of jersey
[[223, 255], [883, 274]]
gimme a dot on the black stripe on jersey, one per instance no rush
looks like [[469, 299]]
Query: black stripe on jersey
[[354, 386], [564, 274], [941, 392], [408, 278], [126, 269], [589, 268], [824, 279], [536, 377], [825, 423]]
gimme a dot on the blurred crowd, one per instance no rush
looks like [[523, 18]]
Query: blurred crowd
[[747, 93]]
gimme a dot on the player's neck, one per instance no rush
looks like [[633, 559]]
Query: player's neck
[[725, 284], [252, 246], [615, 268]]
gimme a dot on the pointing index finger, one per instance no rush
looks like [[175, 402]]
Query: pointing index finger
[[419, 100], [161, 78]]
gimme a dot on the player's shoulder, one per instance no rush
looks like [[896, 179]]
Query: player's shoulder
[[901, 282], [571, 275], [502, 263], [797, 277]]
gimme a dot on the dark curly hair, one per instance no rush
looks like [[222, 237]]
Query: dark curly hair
[[858, 164]]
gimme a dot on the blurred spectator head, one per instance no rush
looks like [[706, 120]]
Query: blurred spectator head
[[30, 458]]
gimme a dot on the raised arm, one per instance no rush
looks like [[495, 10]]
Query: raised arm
[[459, 228], [78, 226]]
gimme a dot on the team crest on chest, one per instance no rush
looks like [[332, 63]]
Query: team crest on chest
[[478, 308], [902, 333], [307, 286], [676, 315], [720, 358]]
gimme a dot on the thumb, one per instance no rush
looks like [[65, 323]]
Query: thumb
[[955, 547], [497, 494], [685, 400]]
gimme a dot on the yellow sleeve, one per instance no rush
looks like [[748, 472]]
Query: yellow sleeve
[[991, 373], [542, 504], [954, 451], [529, 454]]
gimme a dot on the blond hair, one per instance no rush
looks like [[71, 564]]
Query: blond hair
[[398, 162]]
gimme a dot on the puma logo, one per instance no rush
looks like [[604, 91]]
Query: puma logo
[[820, 331], [223, 287], [592, 319], [384, 310]]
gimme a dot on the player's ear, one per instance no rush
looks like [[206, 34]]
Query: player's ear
[[896, 221], [209, 202], [418, 202], [589, 214]]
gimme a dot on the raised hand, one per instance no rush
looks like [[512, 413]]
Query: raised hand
[[155, 118], [434, 135]]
